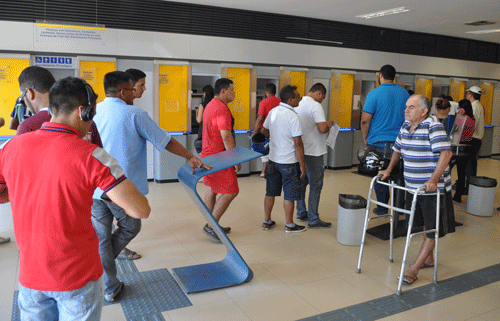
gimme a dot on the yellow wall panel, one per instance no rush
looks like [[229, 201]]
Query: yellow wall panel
[[240, 106], [341, 99], [298, 78], [93, 72], [457, 90], [423, 86], [10, 69], [487, 100], [173, 98]]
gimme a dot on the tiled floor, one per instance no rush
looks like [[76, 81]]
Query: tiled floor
[[300, 275]]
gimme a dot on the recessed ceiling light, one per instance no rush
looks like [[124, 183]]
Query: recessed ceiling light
[[383, 13], [483, 31]]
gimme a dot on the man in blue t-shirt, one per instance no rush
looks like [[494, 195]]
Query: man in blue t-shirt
[[383, 115]]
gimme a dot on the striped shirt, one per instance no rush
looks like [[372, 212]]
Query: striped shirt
[[421, 150]]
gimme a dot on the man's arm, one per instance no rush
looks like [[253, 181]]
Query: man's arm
[[258, 123], [265, 132], [128, 197], [394, 160], [366, 119], [4, 194], [176, 148], [324, 127], [229, 143], [14, 123], [299, 151], [443, 161]]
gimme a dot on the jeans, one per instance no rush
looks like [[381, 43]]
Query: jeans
[[315, 168], [112, 243], [382, 191], [471, 167], [81, 304]]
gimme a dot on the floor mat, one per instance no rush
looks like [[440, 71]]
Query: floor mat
[[145, 296]]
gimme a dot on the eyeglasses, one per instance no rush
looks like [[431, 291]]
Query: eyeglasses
[[131, 89]]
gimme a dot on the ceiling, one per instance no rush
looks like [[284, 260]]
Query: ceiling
[[443, 17]]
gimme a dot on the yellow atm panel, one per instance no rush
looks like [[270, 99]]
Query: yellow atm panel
[[341, 95], [423, 86], [457, 90], [93, 72], [294, 78], [240, 107], [10, 69], [487, 100], [172, 98]]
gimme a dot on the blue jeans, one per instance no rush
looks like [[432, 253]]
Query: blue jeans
[[111, 243], [315, 168], [81, 304]]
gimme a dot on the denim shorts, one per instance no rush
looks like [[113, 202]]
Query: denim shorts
[[283, 176]]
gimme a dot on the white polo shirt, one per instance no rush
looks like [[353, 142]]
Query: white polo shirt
[[283, 124], [310, 113]]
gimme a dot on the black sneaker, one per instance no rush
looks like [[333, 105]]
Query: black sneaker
[[303, 218], [320, 224], [267, 226], [295, 229], [378, 212], [210, 232]]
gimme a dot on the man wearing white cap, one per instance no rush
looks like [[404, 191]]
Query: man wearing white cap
[[474, 95]]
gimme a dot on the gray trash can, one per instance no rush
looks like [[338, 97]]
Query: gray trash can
[[350, 219], [481, 196]]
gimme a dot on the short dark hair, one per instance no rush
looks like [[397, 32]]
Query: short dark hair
[[449, 98], [136, 74], [67, 94], [318, 87], [287, 92], [222, 83], [411, 92], [39, 78], [271, 88], [113, 81], [388, 72]]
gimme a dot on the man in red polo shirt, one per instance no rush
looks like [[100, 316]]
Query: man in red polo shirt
[[51, 198], [218, 135], [265, 107]]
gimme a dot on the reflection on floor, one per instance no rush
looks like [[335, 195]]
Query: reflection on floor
[[300, 275]]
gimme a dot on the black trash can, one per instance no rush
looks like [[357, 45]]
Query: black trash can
[[350, 219]]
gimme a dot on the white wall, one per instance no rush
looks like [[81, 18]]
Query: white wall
[[117, 42]]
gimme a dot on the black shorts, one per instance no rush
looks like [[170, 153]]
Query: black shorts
[[425, 210]]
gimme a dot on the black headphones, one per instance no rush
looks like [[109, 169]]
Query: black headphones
[[88, 111]]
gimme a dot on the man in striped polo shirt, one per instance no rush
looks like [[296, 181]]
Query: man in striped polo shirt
[[423, 144]]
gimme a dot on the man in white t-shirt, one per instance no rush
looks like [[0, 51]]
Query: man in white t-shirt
[[286, 158], [314, 126]]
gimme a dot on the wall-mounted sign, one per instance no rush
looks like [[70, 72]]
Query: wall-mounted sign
[[61, 32], [89, 75], [55, 62], [4, 73]]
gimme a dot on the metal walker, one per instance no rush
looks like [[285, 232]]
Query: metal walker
[[419, 191]]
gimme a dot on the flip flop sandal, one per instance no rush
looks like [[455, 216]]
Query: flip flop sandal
[[4, 240], [129, 255], [262, 177], [425, 265], [413, 279]]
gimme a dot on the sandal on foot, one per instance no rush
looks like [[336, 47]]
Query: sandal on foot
[[413, 279], [425, 265], [262, 177], [127, 254], [266, 226], [4, 240]]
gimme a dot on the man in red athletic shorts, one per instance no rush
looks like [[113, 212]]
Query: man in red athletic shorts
[[218, 135]]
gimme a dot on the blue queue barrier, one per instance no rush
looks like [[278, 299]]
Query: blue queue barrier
[[232, 270]]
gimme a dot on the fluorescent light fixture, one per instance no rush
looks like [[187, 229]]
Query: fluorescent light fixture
[[383, 13], [317, 40], [477, 32]]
